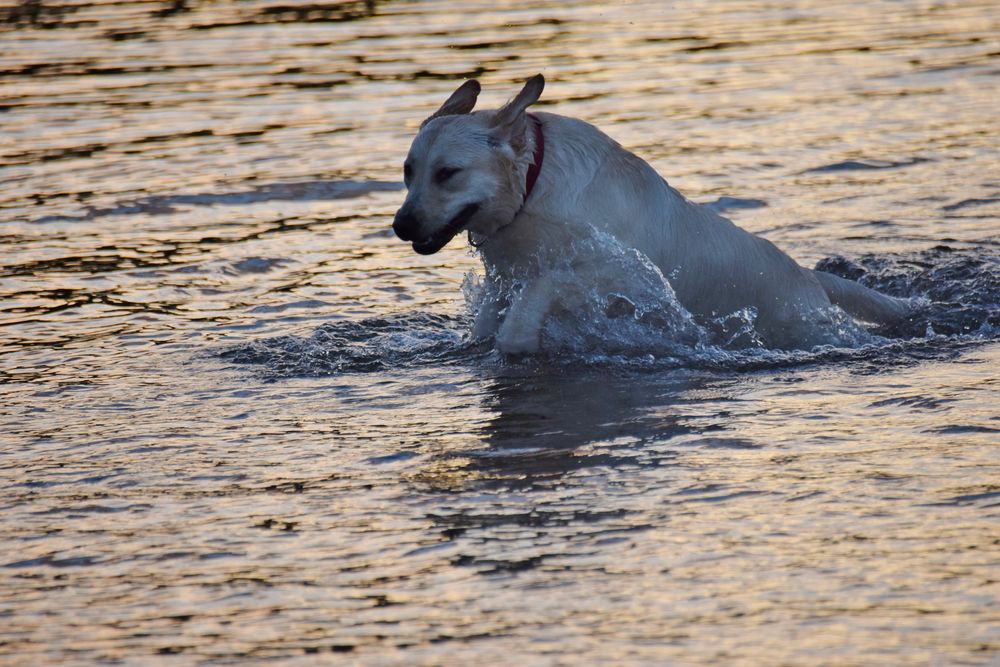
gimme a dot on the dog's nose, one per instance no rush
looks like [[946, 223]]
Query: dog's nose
[[405, 225]]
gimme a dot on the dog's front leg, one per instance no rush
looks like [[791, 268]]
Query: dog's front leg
[[521, 330]]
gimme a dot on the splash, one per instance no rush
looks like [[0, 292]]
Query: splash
[[619, 304], [629, 315], [357, 346], [956, 291]]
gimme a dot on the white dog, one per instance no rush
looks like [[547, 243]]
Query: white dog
[[527, 187]]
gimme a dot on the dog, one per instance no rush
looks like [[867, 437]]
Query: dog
[[527, 186]]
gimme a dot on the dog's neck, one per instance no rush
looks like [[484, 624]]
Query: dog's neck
[[534, 169]]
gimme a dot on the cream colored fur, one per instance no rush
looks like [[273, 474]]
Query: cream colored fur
[[589, 184]]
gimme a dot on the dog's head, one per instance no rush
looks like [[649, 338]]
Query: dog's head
[[465, 170]]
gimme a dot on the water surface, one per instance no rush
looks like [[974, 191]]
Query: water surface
[[242, 423]]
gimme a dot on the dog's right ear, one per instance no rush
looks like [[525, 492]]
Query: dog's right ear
[[461, 101]]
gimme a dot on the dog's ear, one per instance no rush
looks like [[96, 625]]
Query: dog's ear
[[461, 101], [513, 112]]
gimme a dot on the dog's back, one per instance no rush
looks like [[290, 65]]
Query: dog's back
[[715, 267]]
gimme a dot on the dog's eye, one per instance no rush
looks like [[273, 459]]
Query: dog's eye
[[444, 173], [407, 173]]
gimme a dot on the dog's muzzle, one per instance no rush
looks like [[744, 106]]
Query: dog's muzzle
[[406, 227]]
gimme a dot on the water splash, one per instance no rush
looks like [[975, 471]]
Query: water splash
[[630, 316], [956, 291], [353, 346], [621, 305]]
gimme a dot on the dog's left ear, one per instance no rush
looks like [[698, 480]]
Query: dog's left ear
[[509, 118], [462, 101]]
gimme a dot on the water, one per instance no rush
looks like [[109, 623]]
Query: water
[[243, 423]]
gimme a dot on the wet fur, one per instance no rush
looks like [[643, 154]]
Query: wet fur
[[589, 182]]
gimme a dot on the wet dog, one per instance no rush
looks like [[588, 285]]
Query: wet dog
[[527, 186]]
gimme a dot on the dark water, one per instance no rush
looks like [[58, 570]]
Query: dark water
[[242, 423]]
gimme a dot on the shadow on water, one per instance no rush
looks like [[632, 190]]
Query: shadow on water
[[571, 407], [543, 420], [553, 429]]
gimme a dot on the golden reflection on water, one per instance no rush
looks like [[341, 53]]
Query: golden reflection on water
[[177, 179]]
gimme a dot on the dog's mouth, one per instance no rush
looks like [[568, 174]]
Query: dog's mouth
[[440, 238]]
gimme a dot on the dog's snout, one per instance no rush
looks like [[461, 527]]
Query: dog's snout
[[405, 224]]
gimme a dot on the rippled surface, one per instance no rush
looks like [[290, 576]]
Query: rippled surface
[[242, 423]]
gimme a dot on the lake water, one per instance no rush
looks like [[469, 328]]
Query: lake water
[[242, 423]]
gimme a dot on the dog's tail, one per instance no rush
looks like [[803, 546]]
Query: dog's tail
[[861, 302]]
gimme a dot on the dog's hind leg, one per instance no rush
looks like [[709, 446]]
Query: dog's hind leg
[[862, 303]]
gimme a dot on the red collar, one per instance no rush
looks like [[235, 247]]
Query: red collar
[[539, 156]]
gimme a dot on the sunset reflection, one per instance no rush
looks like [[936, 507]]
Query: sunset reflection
[[245, 424]]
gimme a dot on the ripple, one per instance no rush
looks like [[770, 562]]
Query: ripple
[[298, 192], [243, 424], [866, 165]]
